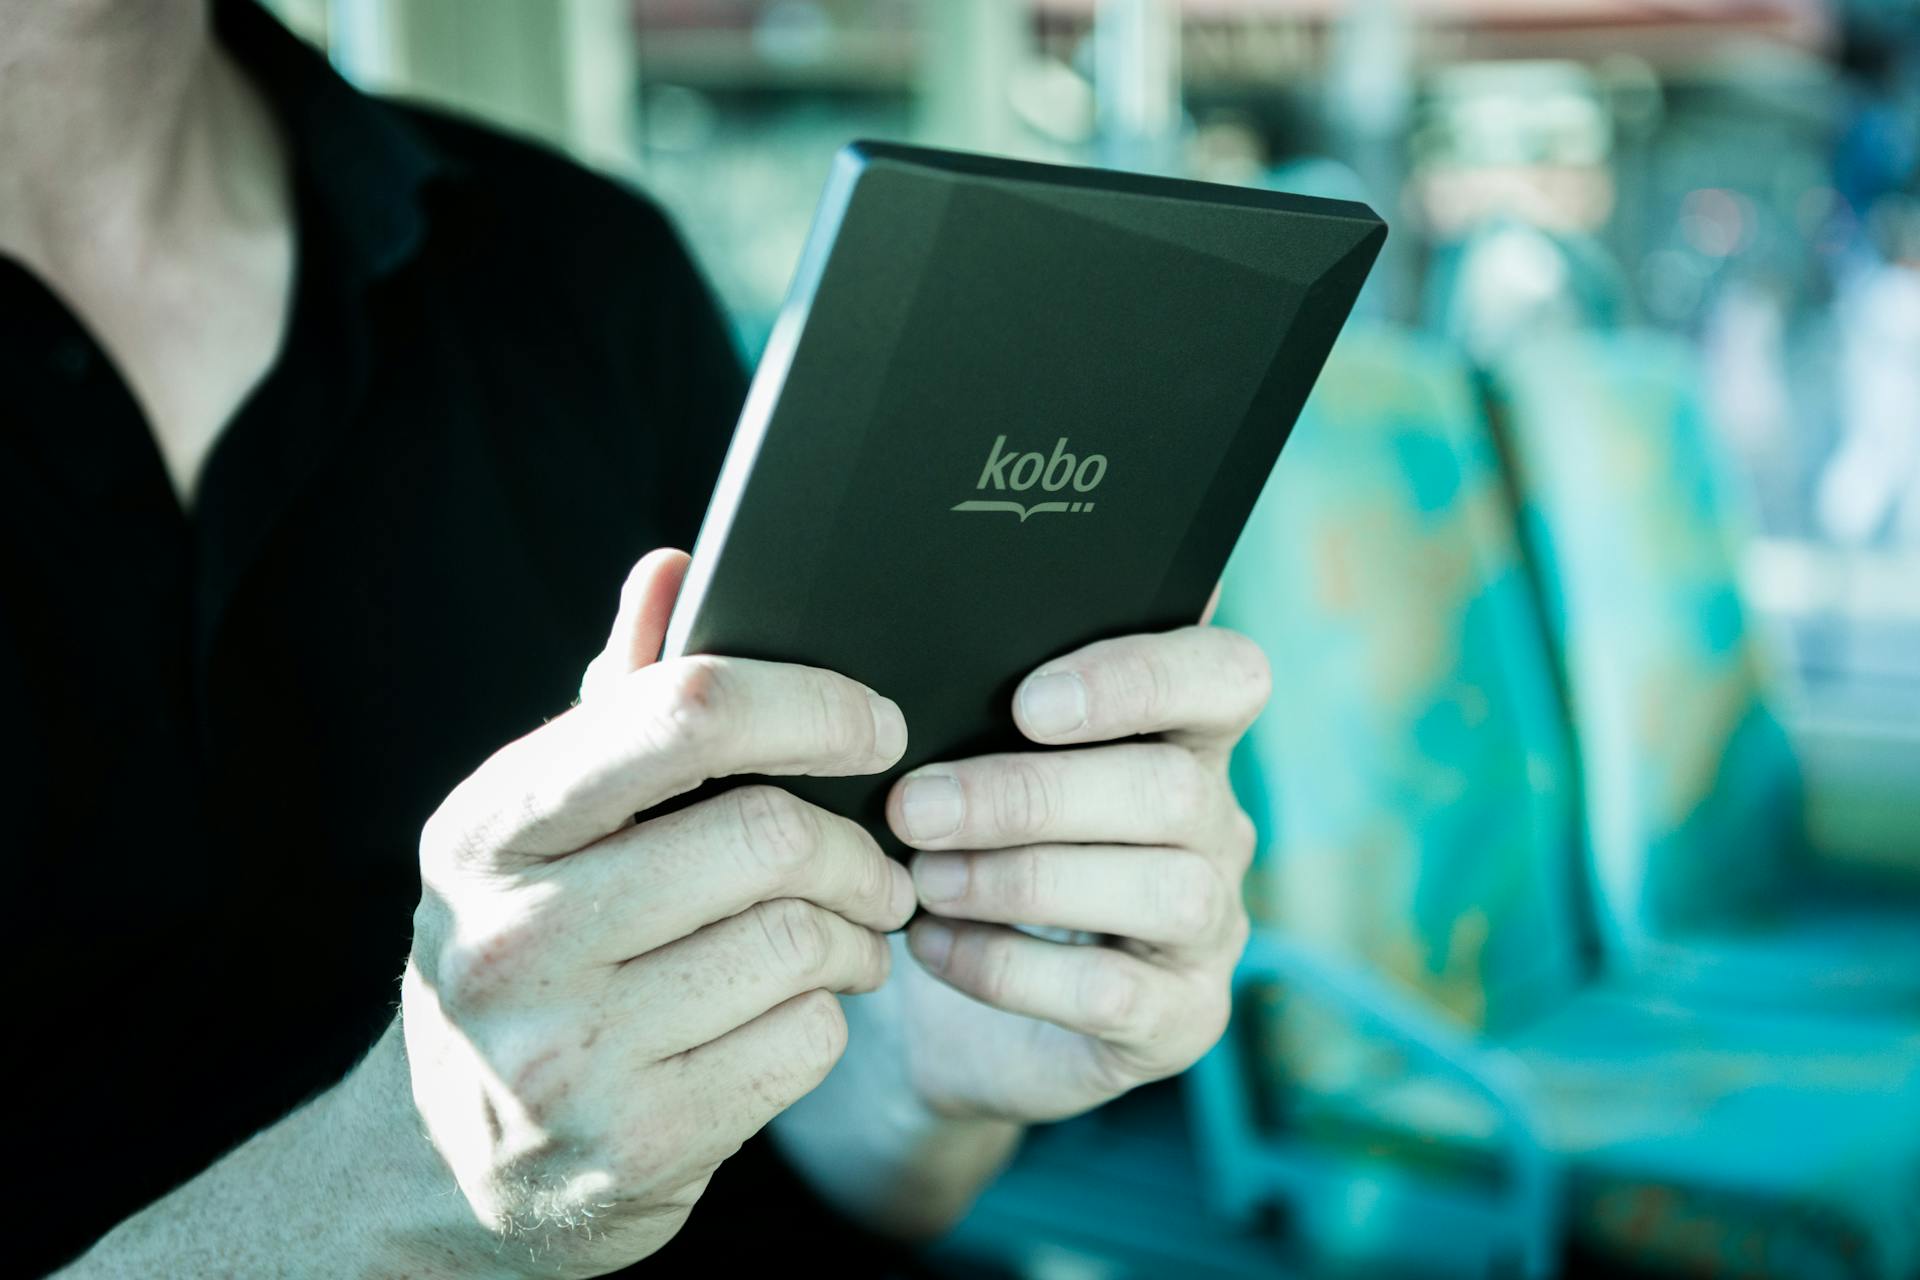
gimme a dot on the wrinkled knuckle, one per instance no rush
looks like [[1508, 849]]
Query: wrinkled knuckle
[[461, 831], [868, 966], [473, 974], [696, 703], [1024, 798], [876, 868], [843, 731], [796, 934], [879, 961], [1193, 897], [1182, 789], [1150, 684], [823, 1029], [456, 843], [1025, 884], [779, 831], [990, 964], [1112, 997]]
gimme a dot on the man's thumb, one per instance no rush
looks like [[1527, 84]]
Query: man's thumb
[[640, 626]]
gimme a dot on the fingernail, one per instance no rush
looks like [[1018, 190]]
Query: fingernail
[[1053, 704], [931, 944], [941, 877], [931, 806], [889, 727]]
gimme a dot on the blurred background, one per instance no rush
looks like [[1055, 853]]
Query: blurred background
[[1589, 899]]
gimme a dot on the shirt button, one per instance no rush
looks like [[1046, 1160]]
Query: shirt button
[[71, 357]]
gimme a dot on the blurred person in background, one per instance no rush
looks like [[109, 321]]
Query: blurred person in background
[[1869, 490], [331, 429]]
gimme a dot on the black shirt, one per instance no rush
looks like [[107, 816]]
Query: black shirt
[[220, 732]]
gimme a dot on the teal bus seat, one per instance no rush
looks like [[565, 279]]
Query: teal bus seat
[[1411, 778], [1694, 808], [1436, 1062]]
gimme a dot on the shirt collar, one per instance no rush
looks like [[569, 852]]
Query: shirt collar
[[364, 162]]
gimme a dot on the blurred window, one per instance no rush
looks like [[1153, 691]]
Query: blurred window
[[1740, 173]]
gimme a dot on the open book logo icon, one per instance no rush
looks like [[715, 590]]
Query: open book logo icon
[[1018, 510], [1019, 472]]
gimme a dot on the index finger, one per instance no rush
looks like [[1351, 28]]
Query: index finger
[[662, 731], [672, 875], [1199, 686]]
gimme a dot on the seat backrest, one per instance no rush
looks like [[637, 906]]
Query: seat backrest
[[1410, 778], [1692, 794]]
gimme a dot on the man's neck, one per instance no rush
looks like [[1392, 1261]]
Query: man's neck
[[121, 125], [144, 178]]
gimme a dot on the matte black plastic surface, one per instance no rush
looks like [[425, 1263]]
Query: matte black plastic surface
[[948, 305]]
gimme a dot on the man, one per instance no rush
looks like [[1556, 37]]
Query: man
[[331, 429]]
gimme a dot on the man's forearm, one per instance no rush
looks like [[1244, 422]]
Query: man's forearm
[[338, 1188], [910, 1183], [867, 1145]]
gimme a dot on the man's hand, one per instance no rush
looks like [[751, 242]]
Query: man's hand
[[598, 1010], [1140, 841]]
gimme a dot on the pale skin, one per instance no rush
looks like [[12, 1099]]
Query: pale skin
[[143, 178], [598, 1011]]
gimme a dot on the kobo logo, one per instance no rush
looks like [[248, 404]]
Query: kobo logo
[[1021, 471]]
